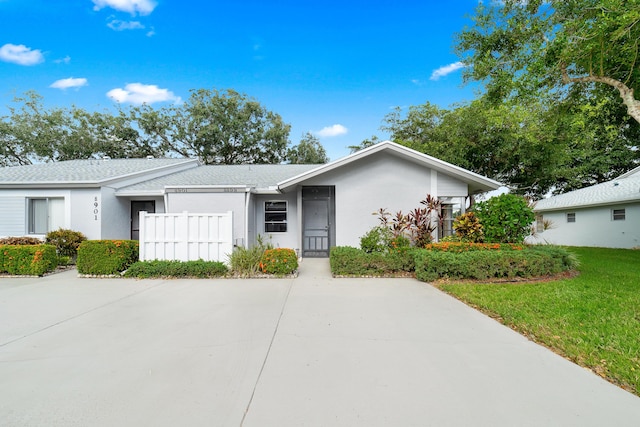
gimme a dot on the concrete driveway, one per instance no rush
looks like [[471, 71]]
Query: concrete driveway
[[311, 351]]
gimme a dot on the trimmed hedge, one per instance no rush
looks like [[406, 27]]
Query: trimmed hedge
[[31, 260], [106, 257], [279, 261], [200, 269], [534, 261], [349, 261]]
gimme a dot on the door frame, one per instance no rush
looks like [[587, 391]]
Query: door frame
[[135, 215], [319, 192]]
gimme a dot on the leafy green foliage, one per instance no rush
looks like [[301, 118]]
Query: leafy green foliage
[[308, 152], [246, 262], [506, 218], [591, 319], [200, 269], [279, 261], [348, 261], [106, 257], [468, 228], [22, 240], [65, 241], [378, 239], [218, 127], [32, 260], [491, 264]]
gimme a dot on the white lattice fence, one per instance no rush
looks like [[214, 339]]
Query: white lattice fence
[[186, 236]]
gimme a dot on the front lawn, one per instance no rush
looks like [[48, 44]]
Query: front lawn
[[592, 319]]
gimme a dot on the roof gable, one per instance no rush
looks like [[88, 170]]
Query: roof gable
[[477, 183]]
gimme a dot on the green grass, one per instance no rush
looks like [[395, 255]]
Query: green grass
[[592, 319]]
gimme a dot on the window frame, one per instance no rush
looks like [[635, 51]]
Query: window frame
[[33, 228], [618, 214], [539, 223], [272, 225], [571, 217]]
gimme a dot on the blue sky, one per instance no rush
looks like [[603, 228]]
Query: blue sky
[[332, 68]]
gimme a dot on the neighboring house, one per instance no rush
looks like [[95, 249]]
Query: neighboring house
[[306, 207], [603, 215]]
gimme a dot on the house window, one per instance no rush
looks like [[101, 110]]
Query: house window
[[447, 220], [539, 223], [275, 216], [44, 215], [618, 214], [571, 217]]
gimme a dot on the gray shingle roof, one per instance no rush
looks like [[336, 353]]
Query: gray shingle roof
[[258, 176], [81, 171], [612, 192]]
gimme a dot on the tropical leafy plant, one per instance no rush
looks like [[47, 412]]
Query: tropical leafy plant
[[506, 218]]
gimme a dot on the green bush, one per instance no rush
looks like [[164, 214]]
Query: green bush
[[279, 261], [246, 262], [535, 261], [468, 228], [32, 260], [505, 219], [105, 257], [199, 269], [65, 241], [377, 239], [348, 261], [22, 240]]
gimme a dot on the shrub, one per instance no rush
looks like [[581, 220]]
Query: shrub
[[200, 269], [505, 219], [105, 257], [468, 228], [348, 261], [32, 260], [279, 261], [65, 241], [246, 262], [492, 264], [378, 239], [23, 240]]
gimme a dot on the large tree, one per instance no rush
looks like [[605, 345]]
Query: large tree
[[308, 151], [522, 47], [219, 127]]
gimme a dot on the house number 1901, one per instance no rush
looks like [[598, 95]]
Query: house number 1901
[[95, 209]]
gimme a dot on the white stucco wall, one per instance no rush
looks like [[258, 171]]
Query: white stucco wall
[[593, 227], [289, 239], [380, 181]]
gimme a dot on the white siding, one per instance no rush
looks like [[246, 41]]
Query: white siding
[[593, 227], [12, 216], [449, 186]]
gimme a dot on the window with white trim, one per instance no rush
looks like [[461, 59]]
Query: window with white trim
[[539, 223], [275, 216], [618, 214], [45, 214], [571, 217]]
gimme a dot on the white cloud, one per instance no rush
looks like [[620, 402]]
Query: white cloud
[[118, 25], [143, 7], [64, 60], [20, 54], [137, 93], [335, 130], [447, 69], [67, 83]]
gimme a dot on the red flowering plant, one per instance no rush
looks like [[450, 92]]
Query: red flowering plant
[[279, 261]]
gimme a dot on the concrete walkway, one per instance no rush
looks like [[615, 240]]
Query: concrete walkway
[[311, 351]]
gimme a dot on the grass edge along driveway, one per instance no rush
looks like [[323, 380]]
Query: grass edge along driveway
[[592, 319]]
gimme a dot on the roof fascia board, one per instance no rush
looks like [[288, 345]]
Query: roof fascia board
[[634, 199]]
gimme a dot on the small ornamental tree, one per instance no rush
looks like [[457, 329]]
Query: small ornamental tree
[[505, 219]]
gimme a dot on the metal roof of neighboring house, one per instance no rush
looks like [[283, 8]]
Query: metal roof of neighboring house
[[616, 191], [89, 171], [255, 176], [477, 183]]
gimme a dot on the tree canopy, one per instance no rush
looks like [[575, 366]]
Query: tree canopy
[[522, 47], [217, 127], [308, 151]]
